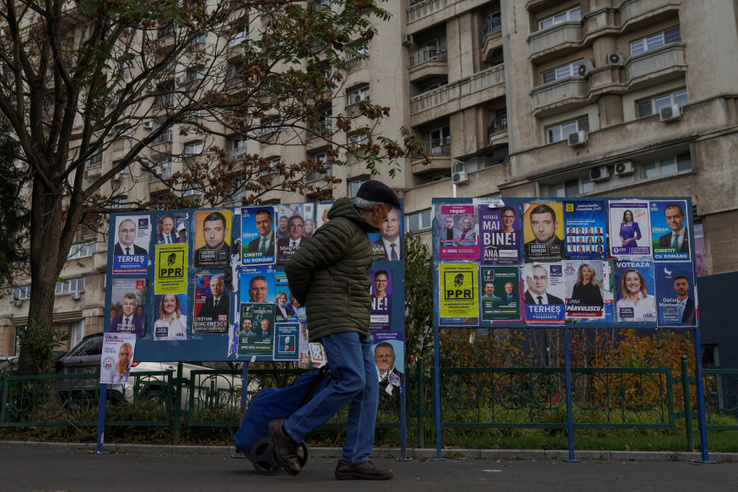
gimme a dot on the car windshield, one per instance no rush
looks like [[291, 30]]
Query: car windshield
[[91, 346]]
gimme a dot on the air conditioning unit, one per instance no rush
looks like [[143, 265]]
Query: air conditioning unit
[[407, 39], [17, 303], [178, 81], [615, 59], [363, 96], [578, 139], [585, 68], [601, 173], [458, 173], [76, 296], [624, 168], [671, 113], [149, 125], [116, 177], [150, 88]]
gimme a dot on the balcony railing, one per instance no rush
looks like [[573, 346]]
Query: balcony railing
[[485, 79], [238, 38], [493, 24], [650, 62], [560, 34], [429, 53], [499, 125], [568, 89], [164, 137], [438, 146], [236, 154], [317, 176], [417, 9], [162, 171], [323, 126]]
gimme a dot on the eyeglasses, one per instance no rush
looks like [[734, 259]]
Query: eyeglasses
[[380, 281], [297, 226], [508, 217]]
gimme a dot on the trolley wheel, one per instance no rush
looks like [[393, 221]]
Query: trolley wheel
[[263, 458], [302, 454]]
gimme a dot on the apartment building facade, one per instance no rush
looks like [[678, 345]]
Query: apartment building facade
[[520, 98]]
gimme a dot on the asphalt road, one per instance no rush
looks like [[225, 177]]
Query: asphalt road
[[37, 468]]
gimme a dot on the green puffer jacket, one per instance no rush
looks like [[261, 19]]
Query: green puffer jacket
[[329, 274]]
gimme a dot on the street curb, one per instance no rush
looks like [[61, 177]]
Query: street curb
[[412, 453]]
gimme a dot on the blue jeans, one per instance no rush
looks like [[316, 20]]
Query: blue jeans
[[353, 379]]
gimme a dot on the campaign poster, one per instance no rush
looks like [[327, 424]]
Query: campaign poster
[[170, 320], [500, 234], [170, 276], [132, 240], [676, 294], [381, 292], [212, 305], [459, 232], [318, 357], [387, 244], [543, 232], [669, 233], [544, 294], [286, 341], [128, 306], [288, 309], [116, 358], [171, 228], [458, 294], [500, 294], [212, 238], [634, 292], [256, 336], [389, 350], [258, 283], [587, 290], [293, 220], [321, 213], [585, 224], [258, 235], [630, 228]]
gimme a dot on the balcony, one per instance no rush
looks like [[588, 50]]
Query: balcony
[[559, 94], [440, 156], [633, 9], [236, 154], [497, 131], [165, 137], [161, 171], [491, 36], [659, 63], [420, 9], [559, 36], [427, 54], [238, 38]]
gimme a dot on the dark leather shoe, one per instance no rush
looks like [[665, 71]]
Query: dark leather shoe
[[285, 447], [361, 471]]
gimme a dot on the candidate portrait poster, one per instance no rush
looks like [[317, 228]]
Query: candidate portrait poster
[[499, 293], [288, 309], [132, 240], [170, 318], [585, 226], [286, 341], [258, 235], [171, 228], [116, 357], [321, 213], [459, 300], [459, 232], [587, 290], [387, 244], [633, 290], [676, 294], [212, 305], [128, 306], [500, 231], [630, 228], [543, 232], [212, 238], [389, 350], [670, 235], [256, 336], [544, 293], [257, 284], [295, 225], [381, 292], [170, 274]]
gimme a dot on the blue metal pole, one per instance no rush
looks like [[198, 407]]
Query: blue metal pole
[[403, 420], [701, 414], [437, 391], [569, 411], [244, 387], [101, 421]]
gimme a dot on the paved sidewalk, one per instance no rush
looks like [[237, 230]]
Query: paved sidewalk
[[60, 467]]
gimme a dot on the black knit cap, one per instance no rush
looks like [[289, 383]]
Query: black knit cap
[[377, 191]]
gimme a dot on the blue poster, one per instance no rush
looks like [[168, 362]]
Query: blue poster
[[286, 341], [288, 309], [676, 294], [258, 235], [389, 350], [131, 247], [630, 229], [381, 291], [669, 232], [544, 294], [500, 230], [387, 244], [258, 284], [585, 227], [634, 292]]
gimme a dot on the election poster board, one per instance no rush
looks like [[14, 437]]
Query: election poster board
[[116, 358]]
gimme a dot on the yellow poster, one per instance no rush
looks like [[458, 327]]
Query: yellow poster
[[171, 269], [459, 293]]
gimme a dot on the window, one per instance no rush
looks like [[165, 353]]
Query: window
[[193, 148], [562, 131], [440, 141], [647, 107], [358, 94], [664, 167], [361, 51], [194, 190], [129, 62], [239, 35], [238, 149], [120, 201], [195, 74], [163, 170], [574, 14], [358, 138], [355, 185], [82, 250], [418, 221], [493, 24], [95, 159], [272, 163], [70, 285], [271, 126], [655, 40], [319, 158], [558, 73], [22, 293], [568, 188]]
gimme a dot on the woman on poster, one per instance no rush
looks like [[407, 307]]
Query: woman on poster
[[586, 290], [629, 232], [467, 236], [171, 325], [282, 312], [635, 303]]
